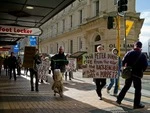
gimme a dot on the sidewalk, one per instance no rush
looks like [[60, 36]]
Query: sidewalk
[[79, 97]]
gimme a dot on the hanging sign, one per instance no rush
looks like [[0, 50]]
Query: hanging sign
[[19, 30]]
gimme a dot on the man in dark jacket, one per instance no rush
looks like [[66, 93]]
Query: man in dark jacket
[[138, 62], [12, 63], [60, 61]]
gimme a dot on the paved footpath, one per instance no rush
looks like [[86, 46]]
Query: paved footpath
[[79, 97]]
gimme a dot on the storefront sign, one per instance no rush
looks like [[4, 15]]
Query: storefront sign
[[19, 30]]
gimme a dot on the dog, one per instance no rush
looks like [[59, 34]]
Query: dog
[[58, 83]]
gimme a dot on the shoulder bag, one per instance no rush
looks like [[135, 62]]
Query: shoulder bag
[[127, 71]]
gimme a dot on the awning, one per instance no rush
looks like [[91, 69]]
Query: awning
[[77, 54]]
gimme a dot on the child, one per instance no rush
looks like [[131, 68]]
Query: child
[[58, 83]]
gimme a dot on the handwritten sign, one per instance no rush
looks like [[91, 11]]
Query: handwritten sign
[[43, 69], [100, 65], [29, 53]]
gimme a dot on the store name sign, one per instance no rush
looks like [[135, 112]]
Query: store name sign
[[19, 30]]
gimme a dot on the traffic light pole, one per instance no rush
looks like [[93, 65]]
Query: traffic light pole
[[118, 34], [125, 38], [118, 47]]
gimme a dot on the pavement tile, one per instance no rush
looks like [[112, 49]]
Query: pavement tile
[[79, 97]]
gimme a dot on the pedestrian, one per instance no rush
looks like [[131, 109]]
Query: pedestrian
[[68, 69], [115, 81], [100, 82], [1, 63], [34, 71], [6, 64], [19, 64], [12, 64], [138, 61], [60, 60]]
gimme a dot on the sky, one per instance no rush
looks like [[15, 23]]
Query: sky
[[143, 7]]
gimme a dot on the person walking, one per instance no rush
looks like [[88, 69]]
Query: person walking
[[138, 61], [19, 64], [12, 63], [115, 81], [6, 64], [100, 82], [34, 71], [60, 60]]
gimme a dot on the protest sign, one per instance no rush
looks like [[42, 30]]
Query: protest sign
[[43, 69], [100, 65], [29, 53]]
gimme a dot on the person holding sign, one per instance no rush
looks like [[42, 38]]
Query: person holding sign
[[138, 62], [115, 80], [100, 82], [34, 71]]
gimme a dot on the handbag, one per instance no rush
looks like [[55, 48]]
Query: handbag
[[127, 71]]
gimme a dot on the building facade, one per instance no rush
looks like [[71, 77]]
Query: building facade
[[83, 25]]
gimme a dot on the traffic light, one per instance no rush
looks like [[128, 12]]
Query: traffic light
[[122, 5], [110, 22]]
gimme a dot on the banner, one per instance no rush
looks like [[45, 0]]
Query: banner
[[100, 65]]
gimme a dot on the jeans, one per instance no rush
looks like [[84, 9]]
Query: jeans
[[112, 81]]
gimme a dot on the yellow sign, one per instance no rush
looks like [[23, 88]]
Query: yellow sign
[[128, 26]]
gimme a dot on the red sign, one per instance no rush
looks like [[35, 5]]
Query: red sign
[[19, 30]]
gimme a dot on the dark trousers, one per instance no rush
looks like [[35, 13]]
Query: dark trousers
[[18, 70], [137, 85], [100, 83], [14, 72], [32, 74]]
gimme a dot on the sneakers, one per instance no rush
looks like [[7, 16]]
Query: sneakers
[[118, 102], [139, 106]]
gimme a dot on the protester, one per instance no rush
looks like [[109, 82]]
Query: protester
[[34, 71], [100, 82], [115, 81], [138, 61]]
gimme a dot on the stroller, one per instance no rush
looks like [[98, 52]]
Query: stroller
[[58, 83]]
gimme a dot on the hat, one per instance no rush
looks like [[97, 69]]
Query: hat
[[138, 44]]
